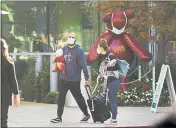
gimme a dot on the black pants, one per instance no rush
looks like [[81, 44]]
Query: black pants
[[4, 115], [74, 87]]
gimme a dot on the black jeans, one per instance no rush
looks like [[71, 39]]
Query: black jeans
[[4, 115], [74, 87]]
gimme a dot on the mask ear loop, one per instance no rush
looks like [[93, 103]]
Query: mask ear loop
[[112, 20], [125, 19]]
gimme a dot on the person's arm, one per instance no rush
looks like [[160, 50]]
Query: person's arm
[[82, 63], [115, 67], [12, 78], [13, 83]]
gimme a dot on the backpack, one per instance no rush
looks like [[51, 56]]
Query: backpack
[[124, 66]]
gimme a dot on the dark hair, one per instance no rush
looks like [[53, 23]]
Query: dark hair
[[2, 45], [103, 44], [2, 50]]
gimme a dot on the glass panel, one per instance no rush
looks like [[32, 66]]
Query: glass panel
[[39, 26]]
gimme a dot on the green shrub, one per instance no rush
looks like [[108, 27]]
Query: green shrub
[[35, 88], [28, 82], [51, 98], [43, 81]]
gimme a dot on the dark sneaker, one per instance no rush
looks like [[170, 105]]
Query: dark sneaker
[[56, 120], [85, 118]]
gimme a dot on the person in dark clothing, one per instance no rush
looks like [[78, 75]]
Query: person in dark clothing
[[70, 80], [9, 83], [113, 82]]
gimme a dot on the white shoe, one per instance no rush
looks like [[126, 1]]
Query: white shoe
[[110, 121]]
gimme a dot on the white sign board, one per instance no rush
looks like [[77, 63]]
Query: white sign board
[[164, 73]]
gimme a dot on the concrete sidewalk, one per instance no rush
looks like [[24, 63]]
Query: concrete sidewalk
[[38, 115]]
